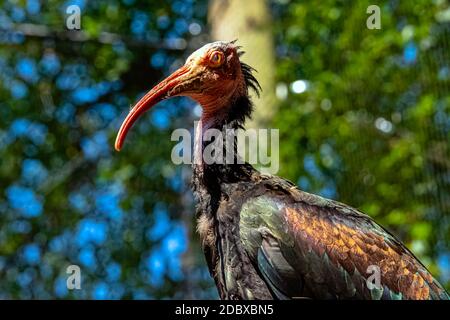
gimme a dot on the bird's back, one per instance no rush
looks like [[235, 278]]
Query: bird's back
[[302, 245]]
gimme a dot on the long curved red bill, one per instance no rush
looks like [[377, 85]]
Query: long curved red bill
[[160, 92]]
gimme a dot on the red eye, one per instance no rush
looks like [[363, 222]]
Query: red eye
[[216, 59]]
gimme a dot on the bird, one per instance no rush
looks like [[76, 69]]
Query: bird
[[264, 238]]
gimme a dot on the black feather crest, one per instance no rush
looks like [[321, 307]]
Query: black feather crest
[[250, 80], [247, 71]]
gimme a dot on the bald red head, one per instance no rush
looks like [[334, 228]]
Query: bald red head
[[212, 75]]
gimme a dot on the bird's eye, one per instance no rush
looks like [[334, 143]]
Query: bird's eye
[[216, 59]]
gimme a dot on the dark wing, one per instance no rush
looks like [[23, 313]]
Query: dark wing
[[307, 246]]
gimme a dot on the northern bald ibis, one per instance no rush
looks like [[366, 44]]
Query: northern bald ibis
[[262, 236]]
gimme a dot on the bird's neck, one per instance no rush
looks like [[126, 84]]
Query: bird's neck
[[216, 160], [214, 184]]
